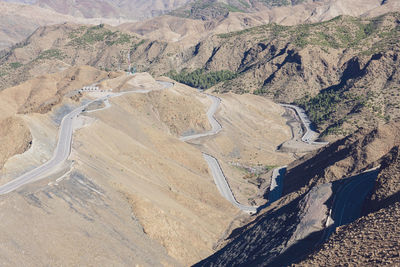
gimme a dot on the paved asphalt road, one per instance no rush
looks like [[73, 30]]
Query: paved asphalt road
[[309, 136], [215, 125], [63, 148], [213, 164], [222, 184], [275, 191], [61, 153]]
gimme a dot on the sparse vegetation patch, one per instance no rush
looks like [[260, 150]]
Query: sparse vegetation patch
[[201, 78], [51, 54], [16, 65]]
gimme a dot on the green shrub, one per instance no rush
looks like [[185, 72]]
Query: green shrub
[[16, 65], [320, 107], [202, 79], [51, 54]]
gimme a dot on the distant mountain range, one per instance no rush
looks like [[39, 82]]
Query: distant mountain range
[[125, 9]]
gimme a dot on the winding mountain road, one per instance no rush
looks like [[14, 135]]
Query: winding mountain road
[[310, 135], [276, 187], [215, 125], [222, 184], [63, 148], [213, 164]]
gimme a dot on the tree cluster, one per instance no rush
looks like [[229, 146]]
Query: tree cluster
[[202, 79]]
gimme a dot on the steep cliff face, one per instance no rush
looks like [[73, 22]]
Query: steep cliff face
[[374, 238], [316, 189], [371, 240], [387, 188]]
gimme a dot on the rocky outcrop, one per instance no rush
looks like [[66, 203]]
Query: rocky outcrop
[[387, 188], [345, 80], [344, 158], [372, 240], [296, 225], [15, 138]]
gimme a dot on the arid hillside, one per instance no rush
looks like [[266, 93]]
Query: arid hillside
[[132, 192], [36, 96], [18, 21], [374, 238], [113, 9], [217, 17], [345, 79], [282, 11], [300, 227], [130, 186], [55, 48]]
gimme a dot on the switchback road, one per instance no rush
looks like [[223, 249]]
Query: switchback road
[[213, 164], [215, 125], [309, 135], [63, 148]]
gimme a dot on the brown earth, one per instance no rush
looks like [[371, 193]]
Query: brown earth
[[79, 220], [344, 158], [370, 241], [188, 32], [42, 93], [373, 239], [38, 95], [140, 149], [163, 179], [15, 138], [131, 176], [133, 9], [298, 63], [253, 128], [18, 21], [293, 226]]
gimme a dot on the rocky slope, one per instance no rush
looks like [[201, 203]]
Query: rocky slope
[[52, 49], [132, 10], [343, 78], [130, 187], [373, 239], [282, 11], [39, 95], [18, 21], [290, 229], [15, 138], [296, 63], [15, 27], [220, 17]]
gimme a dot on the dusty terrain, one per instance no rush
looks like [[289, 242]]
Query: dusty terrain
[[38, 95], [132, 193], [133, 9], [135, 169], [285, 63], [19, 21], [188, 32], [291, 228], [253, 128], [374, 238], [15, 138], [371, 240]]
